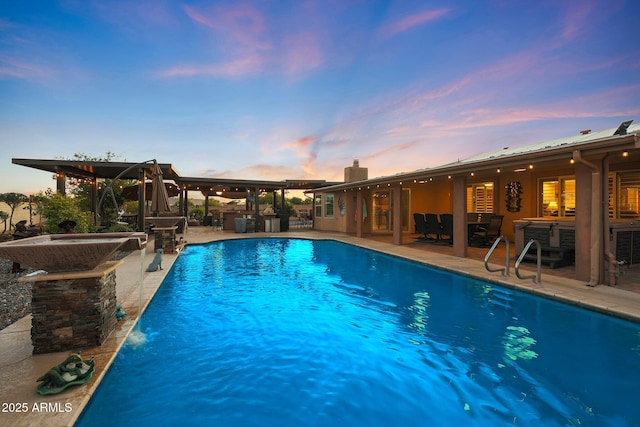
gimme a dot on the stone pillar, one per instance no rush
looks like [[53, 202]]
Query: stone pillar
[[165, 238], [73, 310]]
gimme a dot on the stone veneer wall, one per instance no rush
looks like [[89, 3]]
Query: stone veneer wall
[[165, 238], [70, 314]]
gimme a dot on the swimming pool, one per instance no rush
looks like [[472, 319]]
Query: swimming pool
[[286, 332]]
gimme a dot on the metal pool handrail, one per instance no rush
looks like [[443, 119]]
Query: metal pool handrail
[[535, 277], [505, 270]]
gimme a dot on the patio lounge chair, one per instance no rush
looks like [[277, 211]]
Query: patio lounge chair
[[433, 226], [446, 222], [484, 236], [421, 226]]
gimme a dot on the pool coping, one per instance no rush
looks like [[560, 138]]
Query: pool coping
[[19, 368]]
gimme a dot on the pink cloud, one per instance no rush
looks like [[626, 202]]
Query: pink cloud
[[396, 149], [242, 24], [301, 52], [129, 15], [411, 21], [17, 68], [302, 142], [235, 68], [576, 20], [259, 171], [308, 166]]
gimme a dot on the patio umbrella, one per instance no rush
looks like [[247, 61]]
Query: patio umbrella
[[159, 196]]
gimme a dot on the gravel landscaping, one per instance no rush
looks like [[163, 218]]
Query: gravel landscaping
[[15, 297]]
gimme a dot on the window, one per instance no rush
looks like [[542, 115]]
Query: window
[[558, 197], [328, 205], [628, 194], [480, 197], [318, 206]]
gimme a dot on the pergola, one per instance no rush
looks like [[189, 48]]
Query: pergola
[[242, 189], [223, 187]]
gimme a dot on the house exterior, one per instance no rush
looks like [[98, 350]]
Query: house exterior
[[581, 191]]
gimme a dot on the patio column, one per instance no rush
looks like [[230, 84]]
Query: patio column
[[359, 206], [93, 197], [257, 206], [459, 198], [397, 214], [61, 180], [142, 197], [588, 237], [185, 205]]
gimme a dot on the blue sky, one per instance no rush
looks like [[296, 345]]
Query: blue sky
[[298, 89]]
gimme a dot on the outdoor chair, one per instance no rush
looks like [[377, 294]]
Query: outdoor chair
[[446, 223], [421, 226], [484, 236], [478, 222], [433, 226], [486, 217]]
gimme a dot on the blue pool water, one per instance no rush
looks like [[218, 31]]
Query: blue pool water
[[285, 332]]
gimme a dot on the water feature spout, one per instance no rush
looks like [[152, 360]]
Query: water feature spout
[[76, 275], [56, 253]]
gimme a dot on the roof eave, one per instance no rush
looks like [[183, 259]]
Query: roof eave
[[594, 147]]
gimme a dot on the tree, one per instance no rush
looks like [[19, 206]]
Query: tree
[[56, 208], [35, 202], [81, 188], [299, 201], [196, 213], [266, 199], [4, 217], [13, 200]]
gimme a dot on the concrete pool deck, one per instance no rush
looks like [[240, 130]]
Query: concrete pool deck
[[19, 369]]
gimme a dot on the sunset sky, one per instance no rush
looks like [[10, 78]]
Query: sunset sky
[[299, 89]]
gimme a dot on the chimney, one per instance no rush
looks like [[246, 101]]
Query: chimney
[[355, 172]]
